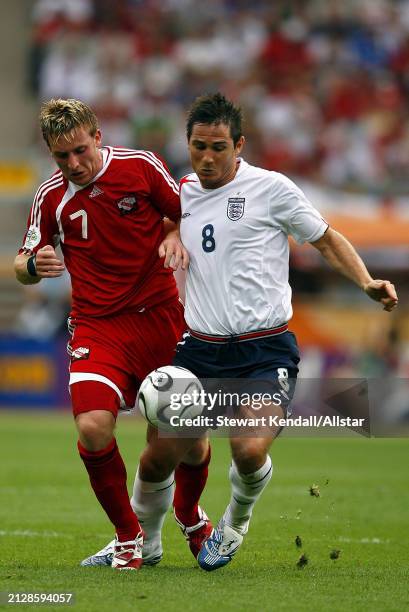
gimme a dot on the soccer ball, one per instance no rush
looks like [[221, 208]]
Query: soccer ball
[[170, 391]]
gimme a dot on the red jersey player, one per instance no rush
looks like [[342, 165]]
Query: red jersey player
[[105, 207]]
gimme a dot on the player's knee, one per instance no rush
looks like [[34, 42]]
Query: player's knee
[[153, 468], [198, 453], [249, 455], [95, 429]]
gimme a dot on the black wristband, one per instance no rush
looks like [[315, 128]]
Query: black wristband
[[31, 265]]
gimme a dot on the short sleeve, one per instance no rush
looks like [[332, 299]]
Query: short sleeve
[[42, 228], [164, 190], [293, 212]]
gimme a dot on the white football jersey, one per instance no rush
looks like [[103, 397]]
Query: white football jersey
[[237, 239]]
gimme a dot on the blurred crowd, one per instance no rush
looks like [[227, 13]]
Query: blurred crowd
[[324, 83]]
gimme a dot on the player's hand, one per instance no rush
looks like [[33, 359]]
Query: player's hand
[[382, 291], [48, 265], [174, 252]]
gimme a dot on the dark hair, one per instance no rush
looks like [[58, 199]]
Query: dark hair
[[215, 108]]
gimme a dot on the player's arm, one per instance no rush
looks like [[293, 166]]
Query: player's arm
[[171, 248], [164, 193], [341, 255], [30, 269]]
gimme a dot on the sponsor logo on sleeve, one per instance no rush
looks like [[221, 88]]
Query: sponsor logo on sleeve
[[235, 208]]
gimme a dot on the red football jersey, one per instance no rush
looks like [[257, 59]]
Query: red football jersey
[[109, 231]]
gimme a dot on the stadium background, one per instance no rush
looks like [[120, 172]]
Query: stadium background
[[324, 87]]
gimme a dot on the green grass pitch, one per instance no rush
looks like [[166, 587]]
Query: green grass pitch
[[50, 521]]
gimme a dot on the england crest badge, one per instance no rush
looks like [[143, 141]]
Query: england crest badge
[[235, 208]]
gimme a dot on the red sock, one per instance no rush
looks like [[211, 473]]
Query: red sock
[[107, 474], [190, 481]]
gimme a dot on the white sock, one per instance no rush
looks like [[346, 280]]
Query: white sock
[[245, 491], [150, 502]]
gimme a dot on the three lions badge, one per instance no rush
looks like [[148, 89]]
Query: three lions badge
[[235, 208]]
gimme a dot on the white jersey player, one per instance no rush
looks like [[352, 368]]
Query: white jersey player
[[236, 220], [237, 239]]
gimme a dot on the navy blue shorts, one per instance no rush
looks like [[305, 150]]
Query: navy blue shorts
[[272, 361]]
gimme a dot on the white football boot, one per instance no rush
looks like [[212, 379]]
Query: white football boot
[[152, 553]]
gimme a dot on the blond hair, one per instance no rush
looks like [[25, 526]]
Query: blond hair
[[60, 117]]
